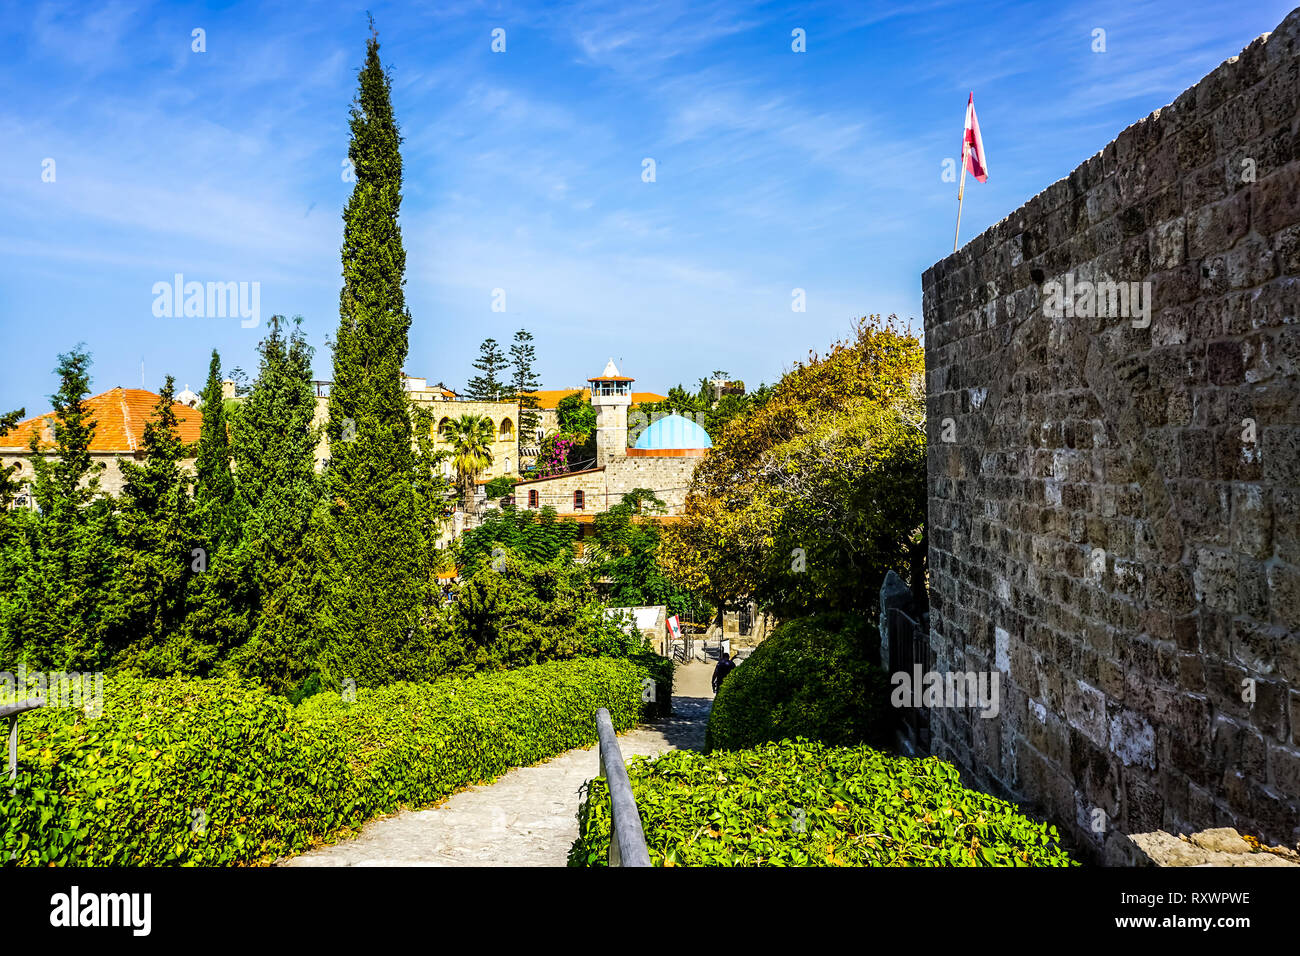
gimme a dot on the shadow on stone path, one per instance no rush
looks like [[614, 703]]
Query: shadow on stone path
[[527, 817]]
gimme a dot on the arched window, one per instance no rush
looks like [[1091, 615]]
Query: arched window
[[441, 425], [578, 500], [507, 430], [532, 497]]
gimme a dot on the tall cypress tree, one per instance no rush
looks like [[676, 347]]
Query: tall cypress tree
[[373, 599], [155, 558], [214, 485]]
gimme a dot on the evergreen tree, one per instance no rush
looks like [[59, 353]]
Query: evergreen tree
[[157, 552], [489, 386], [268, 589], [11, 550], [8, 487], [53, 617], [371, 609], [525, 382], [214, 485]]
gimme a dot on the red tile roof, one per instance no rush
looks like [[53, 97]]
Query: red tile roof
[[120, 416], [550, 398]]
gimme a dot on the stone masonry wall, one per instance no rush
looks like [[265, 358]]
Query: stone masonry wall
[[605, 486], [1114, 510]]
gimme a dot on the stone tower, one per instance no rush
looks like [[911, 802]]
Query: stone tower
[[611, 395]]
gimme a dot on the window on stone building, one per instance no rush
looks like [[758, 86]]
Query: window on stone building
[[578, 500], [532, 497]]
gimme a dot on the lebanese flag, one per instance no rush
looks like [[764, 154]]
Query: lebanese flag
[[972, 146]]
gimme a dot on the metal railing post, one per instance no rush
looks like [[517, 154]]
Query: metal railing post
[[12, 711], [626, 837]]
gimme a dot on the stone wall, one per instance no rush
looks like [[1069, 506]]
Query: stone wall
[[558, 492], [505, 428], [668, 476], [110, 477], [606, 485], [1114, 515]]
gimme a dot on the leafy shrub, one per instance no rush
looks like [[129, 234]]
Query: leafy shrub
[[806, 804], [500, 486], [811, 678], [660, 670], [539, 536], [527, 612], [218, 772]]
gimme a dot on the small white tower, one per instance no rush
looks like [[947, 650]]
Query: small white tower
[[611, 396]]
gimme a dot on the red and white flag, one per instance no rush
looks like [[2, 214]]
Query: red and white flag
[[972, 146]]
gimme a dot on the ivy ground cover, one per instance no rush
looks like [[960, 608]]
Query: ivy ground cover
[[798, 803]]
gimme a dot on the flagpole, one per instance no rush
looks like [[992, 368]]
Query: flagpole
[[961, 188]]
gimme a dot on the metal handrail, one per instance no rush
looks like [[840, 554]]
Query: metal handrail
[[12, 711], [626, 838]]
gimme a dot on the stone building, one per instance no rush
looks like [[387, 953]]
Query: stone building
[[663, 459], [120, 416], [1114, 479], [446, 405]]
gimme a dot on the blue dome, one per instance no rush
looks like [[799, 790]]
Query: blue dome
[[674, 431]]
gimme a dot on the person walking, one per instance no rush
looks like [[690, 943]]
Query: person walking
[[725, 666]]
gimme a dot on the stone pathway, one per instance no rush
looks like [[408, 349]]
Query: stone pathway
[[527, 817]]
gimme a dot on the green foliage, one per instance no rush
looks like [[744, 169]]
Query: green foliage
[[510, 611], [59, 563], [811, 678], [536, 535], [558, 453], [8, 487], [575, 415], [710, 413], [470, 437], [489, 385], [270, 573], [500, 486], [807, 501], [376, 560], [524, 381], [656, 702], [624, 553], [158, 545], [214, 484], [809, 804], [184, 772]]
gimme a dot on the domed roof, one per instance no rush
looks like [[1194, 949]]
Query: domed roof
[[674, 431]]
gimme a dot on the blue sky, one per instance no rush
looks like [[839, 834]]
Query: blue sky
[[775, 170]]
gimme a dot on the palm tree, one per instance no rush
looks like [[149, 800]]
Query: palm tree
[[470, 437]]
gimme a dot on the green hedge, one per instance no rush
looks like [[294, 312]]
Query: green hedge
[[181, 771], [660, 670], [811, 678], [807, 804]]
